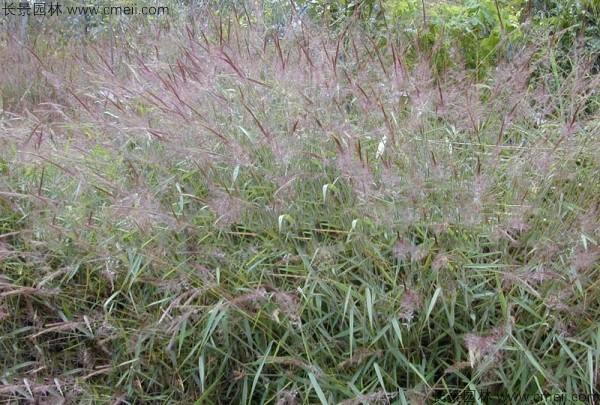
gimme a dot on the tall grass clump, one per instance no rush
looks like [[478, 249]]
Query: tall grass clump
[[225, 212]]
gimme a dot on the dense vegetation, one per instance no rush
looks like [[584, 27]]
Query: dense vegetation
[[323, 202]]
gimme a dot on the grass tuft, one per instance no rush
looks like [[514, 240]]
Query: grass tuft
[[223, 214]]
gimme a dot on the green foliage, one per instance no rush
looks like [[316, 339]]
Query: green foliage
[[483, 29], [574, 23], [335, 12], [473, 33]]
